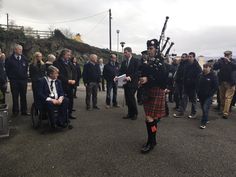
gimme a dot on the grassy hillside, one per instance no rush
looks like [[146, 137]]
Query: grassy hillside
[[51, 45]]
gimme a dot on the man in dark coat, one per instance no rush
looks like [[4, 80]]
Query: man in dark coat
[[67, 76], [153, 79], [178, 80], [110, 71], [227, 81], [190, 81], [17, 73], [51, 97], [130, 67], [91, 77]]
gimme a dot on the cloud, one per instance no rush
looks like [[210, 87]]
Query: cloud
[[199, 26], [209, 42]]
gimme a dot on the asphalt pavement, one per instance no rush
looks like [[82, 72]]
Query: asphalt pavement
[[102, 144]]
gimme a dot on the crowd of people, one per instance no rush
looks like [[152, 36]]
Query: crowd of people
[[155, 80]]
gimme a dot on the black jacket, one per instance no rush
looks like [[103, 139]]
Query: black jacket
[[63, 74], [43, 90], [91, 73], [191, 75], [16, 69], [207, 86], [110, 71], [37, 71], [132, 71], [227, 70], [78, 71], [179, 75]]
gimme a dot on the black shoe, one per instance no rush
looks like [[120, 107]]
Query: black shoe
[[15, 114], [70, 127], [60, 125], [25, 114], [146, 144], [116, 106], [134, 117], [88, 108], [72, 117], [53, 126], [147, 148], [225, 116], [95, 107], [127, 117]]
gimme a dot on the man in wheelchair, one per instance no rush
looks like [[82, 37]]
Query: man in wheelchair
[[51, 98]]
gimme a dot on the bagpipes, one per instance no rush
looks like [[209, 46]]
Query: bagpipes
[[157, 62], [160, 49]]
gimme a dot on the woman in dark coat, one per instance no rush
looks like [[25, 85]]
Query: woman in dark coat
[[78, 71], [37, 70]]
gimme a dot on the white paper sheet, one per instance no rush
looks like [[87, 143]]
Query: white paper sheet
[[121, 80]]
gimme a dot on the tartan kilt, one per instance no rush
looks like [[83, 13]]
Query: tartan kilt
[[154, 106]]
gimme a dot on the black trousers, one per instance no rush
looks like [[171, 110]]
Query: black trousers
[[19, 88], [34, 90], [69, 94], [91, 90], [130, 100], [111, 86], [62, 116], [178, 94]]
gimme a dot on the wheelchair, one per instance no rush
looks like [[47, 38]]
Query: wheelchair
[[38, 117]]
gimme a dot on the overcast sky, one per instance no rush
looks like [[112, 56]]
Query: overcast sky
[[207, 27]]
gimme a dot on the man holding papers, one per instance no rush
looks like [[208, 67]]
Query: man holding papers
[[130, 67]]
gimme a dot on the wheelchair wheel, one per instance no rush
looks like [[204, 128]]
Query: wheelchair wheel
[[35, 116]]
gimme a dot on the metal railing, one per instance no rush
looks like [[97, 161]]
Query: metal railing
[[29, 32]]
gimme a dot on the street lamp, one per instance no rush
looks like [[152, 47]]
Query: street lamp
[[122, 45], [117, 31]]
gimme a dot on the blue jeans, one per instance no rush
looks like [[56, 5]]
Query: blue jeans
[[111, 86], [189, 95], [205, 105]]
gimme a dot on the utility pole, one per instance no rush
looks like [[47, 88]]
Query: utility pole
[[118, 31], [7, 21], [110, 29]]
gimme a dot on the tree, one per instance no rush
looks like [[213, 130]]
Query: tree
[[67, 32]]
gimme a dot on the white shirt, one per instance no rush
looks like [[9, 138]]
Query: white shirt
[[53, 91], [18, 56]]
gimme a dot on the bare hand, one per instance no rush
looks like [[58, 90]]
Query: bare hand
[[143, 80], [128, 78], [115, 79], [71, 82]]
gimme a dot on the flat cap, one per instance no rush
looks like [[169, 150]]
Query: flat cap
[[228, 52]]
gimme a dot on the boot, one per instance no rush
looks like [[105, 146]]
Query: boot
[[149, 135], [154, 138], [152, 129]]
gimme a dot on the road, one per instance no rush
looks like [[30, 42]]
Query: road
[[102, 144]]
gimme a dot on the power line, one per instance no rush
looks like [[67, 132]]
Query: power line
[[99, 22], [63, 21]]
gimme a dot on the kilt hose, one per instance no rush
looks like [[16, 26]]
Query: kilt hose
[[154, 106]]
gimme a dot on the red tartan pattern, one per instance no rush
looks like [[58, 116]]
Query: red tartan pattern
[[154, 106]]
